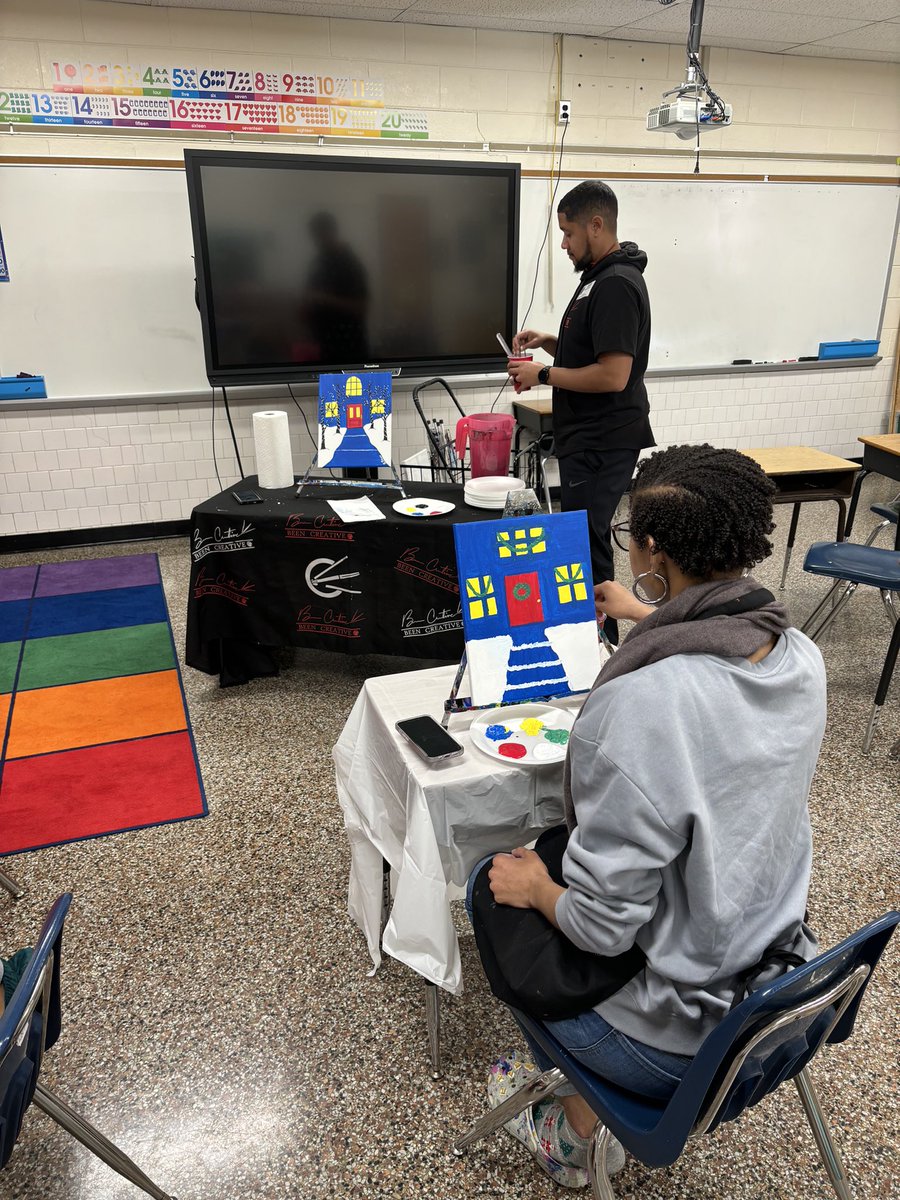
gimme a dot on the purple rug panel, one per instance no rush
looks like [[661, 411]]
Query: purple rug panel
[[98, 575], [17, 583]]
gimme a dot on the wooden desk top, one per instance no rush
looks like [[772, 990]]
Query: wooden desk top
[[889, 442], [792, 460], [543, 406]]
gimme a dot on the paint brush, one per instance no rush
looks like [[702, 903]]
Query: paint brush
[[506, 349]]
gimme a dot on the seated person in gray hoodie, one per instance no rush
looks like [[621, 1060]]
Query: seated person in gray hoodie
[[688, 774]]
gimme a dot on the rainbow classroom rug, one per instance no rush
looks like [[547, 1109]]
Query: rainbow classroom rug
[[95, 728]]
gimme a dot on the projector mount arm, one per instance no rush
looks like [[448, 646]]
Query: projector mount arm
[[696, 85]]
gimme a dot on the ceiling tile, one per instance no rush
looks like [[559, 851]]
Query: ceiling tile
[[884, 37], [814, 51], [864, 10], [841, 29], [754, 23]]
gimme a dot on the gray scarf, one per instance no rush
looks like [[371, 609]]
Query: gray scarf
[[679, 627]]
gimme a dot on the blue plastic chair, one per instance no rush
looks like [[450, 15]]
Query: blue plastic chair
[[768, 1038], [851, 565], [29, 1026]]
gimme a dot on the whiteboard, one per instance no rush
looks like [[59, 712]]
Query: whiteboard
[[754, 270], [101, 291]]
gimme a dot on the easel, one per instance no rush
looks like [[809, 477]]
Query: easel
[[394, 484]]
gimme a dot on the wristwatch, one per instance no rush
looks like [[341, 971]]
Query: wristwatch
[[544, 375]]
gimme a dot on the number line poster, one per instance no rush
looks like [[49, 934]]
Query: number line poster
[[109, 95]]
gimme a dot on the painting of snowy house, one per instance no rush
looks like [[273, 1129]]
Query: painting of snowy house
[[528, 607], [355, 420]]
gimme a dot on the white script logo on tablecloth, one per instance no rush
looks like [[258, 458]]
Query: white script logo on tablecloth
[[222, 541]]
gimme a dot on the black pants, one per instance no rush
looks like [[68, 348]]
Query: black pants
[[596, 480]]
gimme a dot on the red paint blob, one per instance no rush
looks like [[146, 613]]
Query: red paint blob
[[512, 750]]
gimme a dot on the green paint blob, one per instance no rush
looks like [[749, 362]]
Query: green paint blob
[[559, 737]]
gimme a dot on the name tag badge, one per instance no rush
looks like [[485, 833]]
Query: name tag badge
[[586, 290]]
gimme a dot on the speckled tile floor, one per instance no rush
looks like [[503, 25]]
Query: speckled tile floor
[[219, 1024]]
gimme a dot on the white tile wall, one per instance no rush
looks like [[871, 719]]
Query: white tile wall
[[80, 468], [85, 467]]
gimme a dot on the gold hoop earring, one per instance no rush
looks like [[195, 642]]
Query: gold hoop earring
[[636, 588]]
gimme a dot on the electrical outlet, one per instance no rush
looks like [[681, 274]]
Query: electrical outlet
[[565, 112]]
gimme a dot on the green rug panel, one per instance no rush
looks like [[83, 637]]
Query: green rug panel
[[100, 654], [9, 660]]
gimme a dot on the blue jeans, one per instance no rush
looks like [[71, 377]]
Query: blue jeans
[[625, 1062]]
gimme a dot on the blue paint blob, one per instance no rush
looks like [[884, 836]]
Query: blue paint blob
[[497, 733]]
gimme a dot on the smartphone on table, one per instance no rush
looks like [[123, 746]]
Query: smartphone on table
[[247, 497], [429, 739]]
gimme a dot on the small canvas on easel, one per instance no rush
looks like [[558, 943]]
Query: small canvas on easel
[[528, 607], [355, 420]]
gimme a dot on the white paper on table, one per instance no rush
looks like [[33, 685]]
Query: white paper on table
[[357, 510]]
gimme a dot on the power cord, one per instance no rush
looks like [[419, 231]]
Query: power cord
[[237, 453], [213, 425], [537, 265]]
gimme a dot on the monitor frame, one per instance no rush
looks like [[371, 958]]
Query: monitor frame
[[224, 376]]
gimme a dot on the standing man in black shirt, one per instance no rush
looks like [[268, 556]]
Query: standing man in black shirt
[[600, 409]]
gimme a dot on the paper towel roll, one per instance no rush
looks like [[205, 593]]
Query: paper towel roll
[[274, 465]]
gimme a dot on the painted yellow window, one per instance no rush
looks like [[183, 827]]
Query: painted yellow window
[[480, 596], [522, 542], [570, 583], [354, 386], [377, 406], [332, 408]]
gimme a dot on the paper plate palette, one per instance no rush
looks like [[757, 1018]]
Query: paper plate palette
[[527, 735], [420, 506]]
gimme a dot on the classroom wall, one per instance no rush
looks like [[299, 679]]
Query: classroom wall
[[88, 465]]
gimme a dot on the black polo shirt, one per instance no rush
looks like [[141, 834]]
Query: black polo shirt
[[609, 312]]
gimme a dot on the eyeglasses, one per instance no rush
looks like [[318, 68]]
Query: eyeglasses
[[621, 534]]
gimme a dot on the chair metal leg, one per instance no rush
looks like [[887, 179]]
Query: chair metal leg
[[537, 1089], [815, 631], [433, 1024], [875, 532], [827, 1149], [890, 606], [85, 1133], [884, 683], [11, 886], [597, 1150]]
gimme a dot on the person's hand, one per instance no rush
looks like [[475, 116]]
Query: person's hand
[[528, 339], [524, 374], [515, 877], [613, 600]]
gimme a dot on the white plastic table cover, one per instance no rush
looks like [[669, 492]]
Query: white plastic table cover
[[432, 824]]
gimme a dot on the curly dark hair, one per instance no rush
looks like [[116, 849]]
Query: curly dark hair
[[708, 509]]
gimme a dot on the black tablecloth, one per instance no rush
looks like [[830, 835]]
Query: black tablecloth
[[289, 572]]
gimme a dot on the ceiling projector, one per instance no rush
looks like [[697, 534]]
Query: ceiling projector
[[688, 115]]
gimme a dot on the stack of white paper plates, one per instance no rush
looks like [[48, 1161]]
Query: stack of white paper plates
[[490, 491]]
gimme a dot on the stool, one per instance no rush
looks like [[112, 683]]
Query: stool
[[851, 565]]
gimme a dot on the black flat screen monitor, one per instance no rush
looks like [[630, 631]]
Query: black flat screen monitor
[[309, 264]]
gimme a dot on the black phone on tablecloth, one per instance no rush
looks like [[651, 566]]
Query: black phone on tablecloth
[[247, 497], [429, 739]]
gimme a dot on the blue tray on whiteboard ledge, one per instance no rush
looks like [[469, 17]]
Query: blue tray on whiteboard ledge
[[854, 349], [22, 387]]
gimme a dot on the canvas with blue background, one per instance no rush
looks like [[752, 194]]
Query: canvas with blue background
[[355, 420], [528, 607]]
